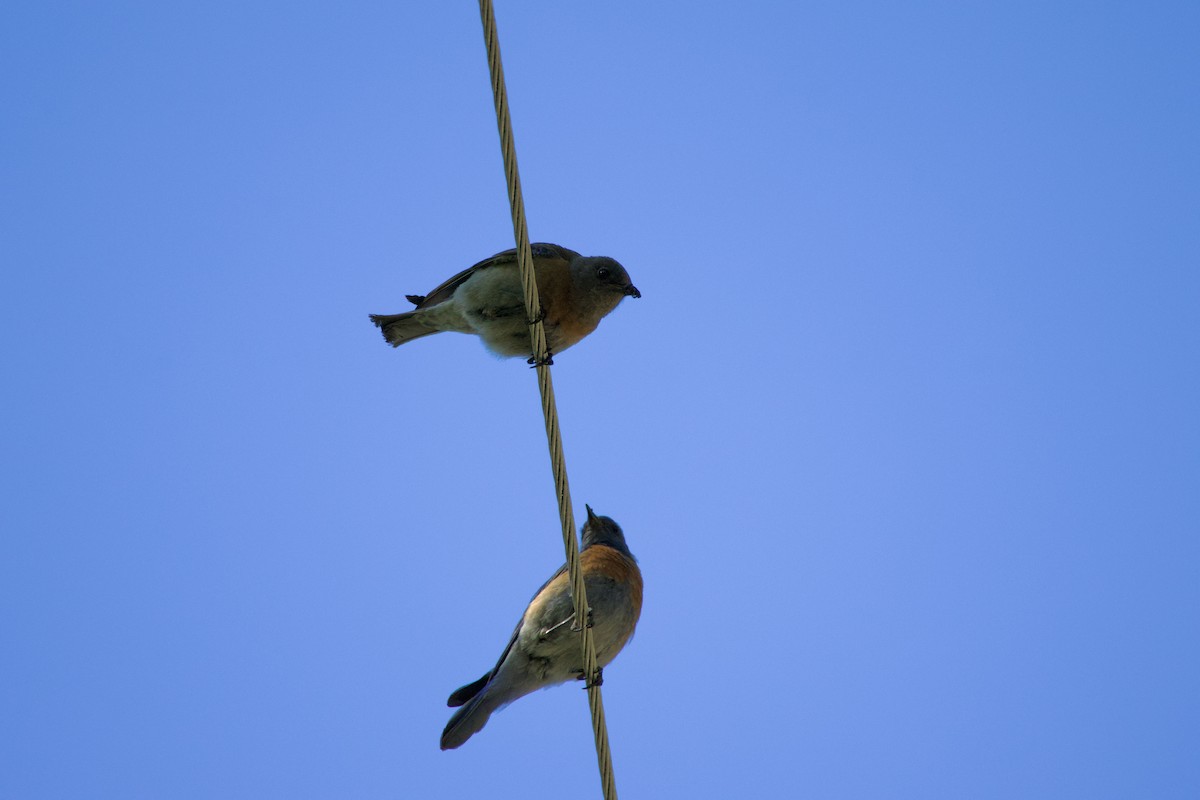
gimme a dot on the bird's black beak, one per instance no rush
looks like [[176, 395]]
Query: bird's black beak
[[591, 514], [632, 291]]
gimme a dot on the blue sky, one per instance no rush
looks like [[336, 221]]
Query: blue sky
[[904, 430]]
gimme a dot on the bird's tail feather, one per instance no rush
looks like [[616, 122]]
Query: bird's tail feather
[[401, 328], [469, 719], [464, 693]]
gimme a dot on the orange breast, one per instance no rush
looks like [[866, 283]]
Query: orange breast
[[563, 315], [618, 567]]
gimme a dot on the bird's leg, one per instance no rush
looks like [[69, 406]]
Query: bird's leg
[[589, 622], [597, 679], [548, 361], [545, 632], [533, 359]]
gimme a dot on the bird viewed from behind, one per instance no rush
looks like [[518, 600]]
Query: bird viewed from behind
[[576, 292]]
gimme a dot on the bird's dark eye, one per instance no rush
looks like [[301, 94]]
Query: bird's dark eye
[[602, 273]]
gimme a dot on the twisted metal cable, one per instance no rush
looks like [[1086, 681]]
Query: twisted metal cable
[[537, 334]]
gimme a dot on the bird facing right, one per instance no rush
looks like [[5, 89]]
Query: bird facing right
[[487, 299], [545, 648]]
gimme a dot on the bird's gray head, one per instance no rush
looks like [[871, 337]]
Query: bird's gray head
[[603, 274], [602, 530]]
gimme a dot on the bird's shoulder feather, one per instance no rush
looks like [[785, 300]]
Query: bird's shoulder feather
[[541, 251]]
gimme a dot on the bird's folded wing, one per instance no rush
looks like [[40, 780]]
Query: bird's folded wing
[[541, 250]]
